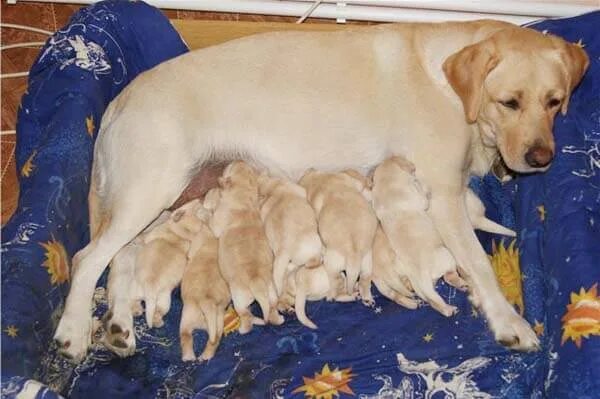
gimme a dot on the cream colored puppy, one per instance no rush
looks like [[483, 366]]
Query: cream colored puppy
[[290, 225], [401, 203], [162, 258], [204, 292], [312, 283], [245, 257], [347, 226]]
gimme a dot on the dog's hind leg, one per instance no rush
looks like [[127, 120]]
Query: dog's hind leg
[[364, 283], [334, 264], [118, 324], [125, 219], [190, 319], [280, 268]]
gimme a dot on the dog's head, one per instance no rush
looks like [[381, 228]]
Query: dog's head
[[512, 84]]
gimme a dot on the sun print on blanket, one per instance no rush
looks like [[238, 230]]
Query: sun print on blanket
[[505, 262], [582, 318], [327, 384], [57, 261]]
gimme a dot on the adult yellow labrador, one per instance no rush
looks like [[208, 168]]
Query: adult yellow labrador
[[446, 96]]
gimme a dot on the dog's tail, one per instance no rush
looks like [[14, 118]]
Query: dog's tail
[[209, 308], [260, 291], [490, 226], [299, 305]]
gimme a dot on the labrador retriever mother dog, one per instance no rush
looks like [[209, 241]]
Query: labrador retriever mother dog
[[446, 96]]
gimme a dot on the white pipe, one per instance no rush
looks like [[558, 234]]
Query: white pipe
[[25, 27], [331, 11], [19, 45], [508, 7]]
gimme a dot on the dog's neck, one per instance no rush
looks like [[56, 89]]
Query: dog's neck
[[482, 156]]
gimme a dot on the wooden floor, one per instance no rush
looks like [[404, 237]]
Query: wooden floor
[[52, 16]]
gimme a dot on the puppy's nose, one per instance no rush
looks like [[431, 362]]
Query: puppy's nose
[[538, 156]]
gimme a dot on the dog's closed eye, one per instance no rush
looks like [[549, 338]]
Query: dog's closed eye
[[512, 103], [554, 102]]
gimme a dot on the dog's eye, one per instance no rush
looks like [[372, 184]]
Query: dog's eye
[[512, 103], [554, 102]]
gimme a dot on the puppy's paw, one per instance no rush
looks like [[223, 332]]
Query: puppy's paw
[[512, 331], [157, 320], [188, 357], [275, 318], [368, 302], [73, 336], [119, 336], [137, 309], [452, 278]]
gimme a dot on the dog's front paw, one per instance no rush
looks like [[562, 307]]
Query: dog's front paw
[[73, 336], [119, 334], [514, 332]]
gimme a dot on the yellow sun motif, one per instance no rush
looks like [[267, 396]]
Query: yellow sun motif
[[327, 383], [428, 337], [89, 125], [542, 211], [231, 321], [505, 262], [11, 331], [57, 261], [582, 317], [538, 328], [28, 166]]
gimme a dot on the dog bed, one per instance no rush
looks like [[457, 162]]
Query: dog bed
[[550, 272]]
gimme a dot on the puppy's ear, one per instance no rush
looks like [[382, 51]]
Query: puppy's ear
[[365, 182], [404, 163], [177, 215], [466, 71], [576, 62], [225, 182]]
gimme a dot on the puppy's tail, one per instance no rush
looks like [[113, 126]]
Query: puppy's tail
[[490, 226], [260, 291], [299, 305], [210, 315]]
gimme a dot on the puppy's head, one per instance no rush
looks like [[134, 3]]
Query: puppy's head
[[239, 174], [512, 84], [360, 181], [266, 184]]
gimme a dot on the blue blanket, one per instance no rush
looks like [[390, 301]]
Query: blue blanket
[[380, 352]]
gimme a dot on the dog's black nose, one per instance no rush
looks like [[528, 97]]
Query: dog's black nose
[[538, 156]]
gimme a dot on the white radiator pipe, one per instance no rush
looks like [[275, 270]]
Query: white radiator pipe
[[374, 11], [508, 7]]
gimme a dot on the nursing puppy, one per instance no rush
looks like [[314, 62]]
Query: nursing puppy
[[118, 321], [290, 225], [204, 292], [245, 257], [410, 254], [311, 283], [347, 226], [162, 258]]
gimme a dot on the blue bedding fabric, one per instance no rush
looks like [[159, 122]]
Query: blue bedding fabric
[[550, 272]]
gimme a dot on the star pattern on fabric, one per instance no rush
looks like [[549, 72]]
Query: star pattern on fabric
[[542, 212], [538, 328], [89, 125], [11, 331], [428, 337]]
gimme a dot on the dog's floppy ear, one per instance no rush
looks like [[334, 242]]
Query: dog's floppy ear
[[576, 62], [466, 71]]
